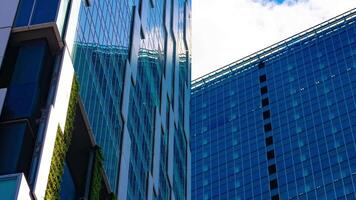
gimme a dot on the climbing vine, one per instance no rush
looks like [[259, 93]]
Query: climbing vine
[[61, 146]]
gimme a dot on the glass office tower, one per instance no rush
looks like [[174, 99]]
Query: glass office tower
[[280, 123], [94, 99]]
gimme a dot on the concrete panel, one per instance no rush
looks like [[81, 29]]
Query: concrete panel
[[8, 10], [126, 92], [124, 165], [64, 6], [2, 98], [24, 190], [72, 25], [46, 153], [39, 31], [135, 44], [4, 38], [56, 117], [157, 151], [64, 87]]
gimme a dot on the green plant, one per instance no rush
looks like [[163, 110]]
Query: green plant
[[61, 147], [57, 167]]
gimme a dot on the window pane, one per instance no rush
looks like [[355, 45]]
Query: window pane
[[23, 12], [45, 11]]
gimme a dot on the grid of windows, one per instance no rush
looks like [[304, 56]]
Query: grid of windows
[[99, 54], [295, 139], [120, 89]]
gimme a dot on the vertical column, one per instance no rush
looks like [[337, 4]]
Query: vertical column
[[7, 16], [129, 81], [157, 151], [135, 43], [144, 9], [124, 164], [170, 161], [188, 185], [2, 98], [267, 128]]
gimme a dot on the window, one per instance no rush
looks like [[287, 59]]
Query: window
[[264, 90], [261, 65], [270, 154], [275, 197], [268, 127], [272, 169], [23, 12], [263, 78], [266, 114], [265, 102], [273, 184], [44, 11], [269, 141]]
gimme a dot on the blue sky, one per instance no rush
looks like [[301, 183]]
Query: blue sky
[[227, 30], [279, 1]]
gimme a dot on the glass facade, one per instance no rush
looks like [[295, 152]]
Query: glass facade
[[132, 60], [34, 12], [280, 124], [123, 132]]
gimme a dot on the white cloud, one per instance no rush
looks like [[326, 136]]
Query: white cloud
[[227, 30]]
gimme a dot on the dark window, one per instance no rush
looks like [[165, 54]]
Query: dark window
[[261, 65], [265, 102], [272, 169], [273, 184], [268, 127], [266, 114], [275, 197], [269, 141], [270, 154], [264, 90], [263, 78]]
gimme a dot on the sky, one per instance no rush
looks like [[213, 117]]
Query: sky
[[227, 30]]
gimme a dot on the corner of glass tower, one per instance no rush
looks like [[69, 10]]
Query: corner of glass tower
[[94, 99]]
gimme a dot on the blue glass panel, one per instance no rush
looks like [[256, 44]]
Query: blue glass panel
[[312, 115], [45, 11], [16, 145], [68, 190], [23, 12], [8, 188]]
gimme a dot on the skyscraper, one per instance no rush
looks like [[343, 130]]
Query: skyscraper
[[280, 123], [94, 99]]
